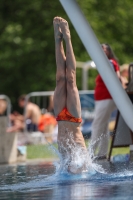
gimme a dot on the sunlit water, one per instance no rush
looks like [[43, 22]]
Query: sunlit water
[[45, 181], [48, 180]]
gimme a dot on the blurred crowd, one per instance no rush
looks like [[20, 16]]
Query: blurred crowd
[[33, 118]]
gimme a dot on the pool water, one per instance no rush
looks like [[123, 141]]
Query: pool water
[[45, 180]]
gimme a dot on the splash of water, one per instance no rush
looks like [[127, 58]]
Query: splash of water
[[76, 159]]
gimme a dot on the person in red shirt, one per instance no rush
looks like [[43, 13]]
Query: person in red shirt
[[104, 106]]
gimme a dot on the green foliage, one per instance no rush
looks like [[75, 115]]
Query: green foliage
[[27, 57], [27, 53], [91, 80], [112, 23]]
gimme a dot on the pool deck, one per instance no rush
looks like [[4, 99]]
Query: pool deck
[[32, 162]]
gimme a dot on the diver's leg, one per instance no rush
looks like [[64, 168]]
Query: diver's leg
[[73, 101], [59, 99], [75, 145]]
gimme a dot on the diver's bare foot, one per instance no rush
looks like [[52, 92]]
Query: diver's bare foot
[[64, 28], [57, 30]]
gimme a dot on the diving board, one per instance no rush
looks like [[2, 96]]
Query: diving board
[[94, 49]]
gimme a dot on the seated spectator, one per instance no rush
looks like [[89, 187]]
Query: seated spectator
[[32, 116], [124, 75], [3, 107], [48, 104], [46, 125], [17, 122], [32, 113]]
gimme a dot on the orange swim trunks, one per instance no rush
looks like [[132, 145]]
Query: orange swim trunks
[[64, 115]]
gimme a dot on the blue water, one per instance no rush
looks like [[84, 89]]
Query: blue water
[[45, 180]]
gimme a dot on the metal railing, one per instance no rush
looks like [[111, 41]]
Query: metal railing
[[85, 100]]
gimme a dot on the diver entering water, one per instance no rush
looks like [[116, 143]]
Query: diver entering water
[[67, 106]]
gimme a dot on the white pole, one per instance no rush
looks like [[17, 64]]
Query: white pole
[[93, 47]]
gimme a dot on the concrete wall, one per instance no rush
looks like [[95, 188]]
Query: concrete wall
[[8, 144]]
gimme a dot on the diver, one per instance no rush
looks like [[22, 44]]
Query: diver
[[67, 106]]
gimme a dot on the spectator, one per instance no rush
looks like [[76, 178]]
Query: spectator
[[46, 125], [32, 116], [48, 104], [3, 107], [17, 122], [104, 105], [124, 75], [32, 113]]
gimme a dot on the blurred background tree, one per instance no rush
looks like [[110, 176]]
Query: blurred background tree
[[27, 51], [112, 23]]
